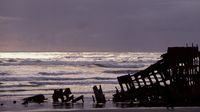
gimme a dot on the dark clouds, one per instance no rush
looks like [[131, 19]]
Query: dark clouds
[[98, 25]]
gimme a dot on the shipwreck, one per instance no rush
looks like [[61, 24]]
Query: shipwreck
[[173, 80]]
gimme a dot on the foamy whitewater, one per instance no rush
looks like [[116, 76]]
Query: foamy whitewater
[[28, 73]]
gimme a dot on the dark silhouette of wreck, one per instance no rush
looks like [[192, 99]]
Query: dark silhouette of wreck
[[65, 96], [172, 81], [98, 95]]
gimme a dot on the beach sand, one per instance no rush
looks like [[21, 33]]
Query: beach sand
[[134, 109], [87, 106]]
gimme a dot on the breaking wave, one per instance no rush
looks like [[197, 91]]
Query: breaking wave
[[58, 73], [15, 78], [26, 73], [104, 64]]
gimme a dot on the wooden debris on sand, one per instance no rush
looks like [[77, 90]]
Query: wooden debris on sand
[[99, 95], [36, 99], [66, 96]]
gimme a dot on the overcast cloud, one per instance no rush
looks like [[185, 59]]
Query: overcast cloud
[[98, 25]]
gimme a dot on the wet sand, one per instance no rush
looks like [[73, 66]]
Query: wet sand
[[134, 109], [88, 106]]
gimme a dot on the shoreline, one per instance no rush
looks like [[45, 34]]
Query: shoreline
[[133, 109], [88, 106]]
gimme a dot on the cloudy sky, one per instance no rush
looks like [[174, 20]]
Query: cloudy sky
[[98, 25]]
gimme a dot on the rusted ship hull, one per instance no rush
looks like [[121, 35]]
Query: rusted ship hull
[[172, 81]]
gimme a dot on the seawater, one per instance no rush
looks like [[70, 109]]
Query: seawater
[[25, 74]]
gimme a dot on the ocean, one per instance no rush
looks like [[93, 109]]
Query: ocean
[[25, 74]]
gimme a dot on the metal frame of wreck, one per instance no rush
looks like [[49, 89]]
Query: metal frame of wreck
[[173, 80]]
